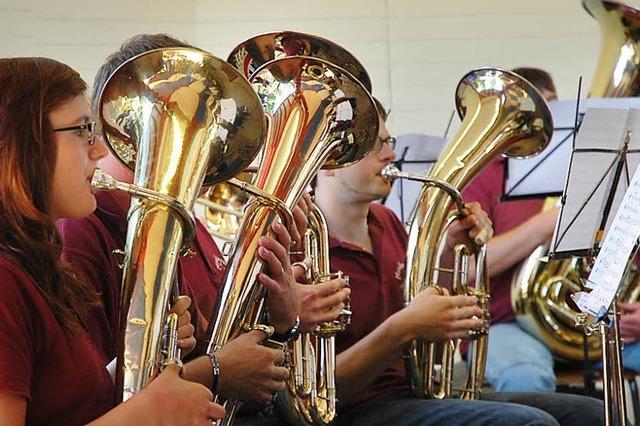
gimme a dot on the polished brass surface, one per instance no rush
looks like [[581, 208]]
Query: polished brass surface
[[310, 397], [541, 299], [234, 137], [174, 116], [502, 113], [319, 116], [460, 286], [251, 54], [617, 73], [225, 204]]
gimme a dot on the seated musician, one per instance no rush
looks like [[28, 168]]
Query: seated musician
[[51, 370], [516, 360], [369, 243]]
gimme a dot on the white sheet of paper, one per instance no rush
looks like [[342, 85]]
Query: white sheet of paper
[[606, 275]]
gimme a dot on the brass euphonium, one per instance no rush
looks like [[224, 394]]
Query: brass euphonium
[[310, 397], [540, 290], [319, 116], [502, 114], [177, 117]]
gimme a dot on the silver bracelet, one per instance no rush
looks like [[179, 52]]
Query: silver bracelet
[[215, 366]]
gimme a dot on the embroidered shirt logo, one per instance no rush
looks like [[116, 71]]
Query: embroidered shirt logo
[[399, 271], [219, 262]]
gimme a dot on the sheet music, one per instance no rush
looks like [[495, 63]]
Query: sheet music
[[606, 275]]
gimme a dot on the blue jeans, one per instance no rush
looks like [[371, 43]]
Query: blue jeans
[[518, 362], [513, 409]]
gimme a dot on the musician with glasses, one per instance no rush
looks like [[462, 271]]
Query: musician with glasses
[[51, 370], [369, 244], [247, 370]]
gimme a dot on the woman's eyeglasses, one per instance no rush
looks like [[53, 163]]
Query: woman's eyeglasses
[[86, 129]]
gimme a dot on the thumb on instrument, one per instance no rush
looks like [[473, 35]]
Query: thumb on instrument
[[257, 335]]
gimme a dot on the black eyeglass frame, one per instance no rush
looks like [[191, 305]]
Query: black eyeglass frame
[[91, 126]]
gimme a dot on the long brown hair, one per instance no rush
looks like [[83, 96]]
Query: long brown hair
[[30, 88]]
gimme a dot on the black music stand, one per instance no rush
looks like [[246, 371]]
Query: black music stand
[[603, 158], [544, 174]]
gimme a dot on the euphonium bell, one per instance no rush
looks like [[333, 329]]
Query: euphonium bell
[[502, 114], [319, 116], [258, 50], [177, 117]]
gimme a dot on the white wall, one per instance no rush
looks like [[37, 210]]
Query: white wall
[[416, 51]]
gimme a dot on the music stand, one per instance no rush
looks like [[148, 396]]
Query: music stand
[[604, 156], [601, 199], [544, 175]]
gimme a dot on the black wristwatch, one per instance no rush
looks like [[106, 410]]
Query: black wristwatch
[[289, 335]]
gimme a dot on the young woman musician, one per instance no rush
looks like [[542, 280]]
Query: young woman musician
[[50, 369]]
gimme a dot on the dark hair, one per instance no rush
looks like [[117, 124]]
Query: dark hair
[[539, 78], [134, 46], [381, 109], [31, 89]]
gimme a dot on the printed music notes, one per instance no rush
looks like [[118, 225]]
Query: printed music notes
[[612, 259]]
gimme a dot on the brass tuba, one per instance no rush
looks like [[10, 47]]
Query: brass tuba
[[502, 114], [540, 291], [618, 72], [177, 117], [319, 116]]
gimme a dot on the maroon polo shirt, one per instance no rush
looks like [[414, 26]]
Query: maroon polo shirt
[[487, 189], [376, 290], [89, 245], [62, 375]]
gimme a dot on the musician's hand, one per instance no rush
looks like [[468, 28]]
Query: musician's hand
[[630, 321], [283, 302], [322, 302], [177, 402], [436, 317], [476, 223], [300, 217], [186, 330], [249, 370]]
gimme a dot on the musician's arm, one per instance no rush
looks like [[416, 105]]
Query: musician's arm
[[511, 247], [429, 316], [13, 409]]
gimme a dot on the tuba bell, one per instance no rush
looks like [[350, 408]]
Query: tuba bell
[[177, 118], [318, 116], [502, 114]]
